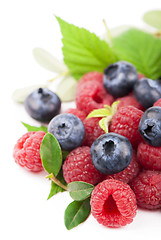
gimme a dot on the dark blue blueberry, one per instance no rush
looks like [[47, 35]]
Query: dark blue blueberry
[[147, 91], [119, 78], [68, 129], [111, 153], [150, 126], [42, 105]]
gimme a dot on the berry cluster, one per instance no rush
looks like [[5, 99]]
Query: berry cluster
[[124, 163]]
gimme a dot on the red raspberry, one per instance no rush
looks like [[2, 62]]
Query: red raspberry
[[147, 188], [149, 156], [129, 101], [27, 151], [76, 112], [92, 96], [113, 203], [90, 77], [125, 122], [128, 173], [92, 130], [157, 103], [78, 166]]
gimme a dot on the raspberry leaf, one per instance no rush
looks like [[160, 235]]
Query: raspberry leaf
[[153, 18], [56, 188], [76, 213], [84, 51], [51, 154], [35, 129], [141, 49], [80, 190]]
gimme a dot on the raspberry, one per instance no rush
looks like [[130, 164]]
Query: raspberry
[[78, 167], [80, 114], [149, 156], [129, 101], [92, 95], [27, 151], [90, 77], [92, 130], [147, 188], [125, 122], [128, 173], [113, 203], [157, 103]]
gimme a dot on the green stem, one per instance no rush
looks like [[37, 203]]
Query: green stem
[[108, 32], [55, 180]]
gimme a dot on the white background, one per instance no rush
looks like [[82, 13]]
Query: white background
[[24, 211]]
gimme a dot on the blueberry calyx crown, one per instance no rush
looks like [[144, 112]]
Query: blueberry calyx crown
[[147, 91], [68, 129], [119, 78], [111, 153], [150, 126]]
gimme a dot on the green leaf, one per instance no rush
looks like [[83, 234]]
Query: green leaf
[[114, 107], [103, 124], [35, 129], [102, 112], [55, 188], [83, 51], [76, 213], [80, 190], [141, 49], [153, 18], [48, 61], [66, 89], [51, 154]]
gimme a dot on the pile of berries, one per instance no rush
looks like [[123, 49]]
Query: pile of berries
[[123, 164]]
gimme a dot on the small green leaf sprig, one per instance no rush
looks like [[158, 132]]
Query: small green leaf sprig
[[52, 158], [105, 114]]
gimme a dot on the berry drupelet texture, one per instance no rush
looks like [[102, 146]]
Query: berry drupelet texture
[[147, 188], [128, 173], [27, 151], [78, 167], [126, 122], [92, 95], [113, 203], [149, 156]]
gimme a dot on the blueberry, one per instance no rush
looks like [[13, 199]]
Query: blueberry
[[42, 105], [119, 78], [147, 91], [150, 126], [111, 153], [68, 129]]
